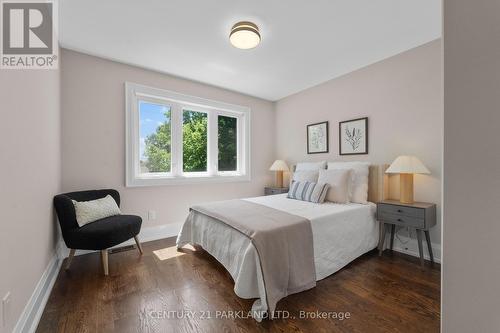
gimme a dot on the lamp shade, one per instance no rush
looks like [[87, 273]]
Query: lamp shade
[[279, 165], [407, 164]]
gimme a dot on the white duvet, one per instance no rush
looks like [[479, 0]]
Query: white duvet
[[341, 233]]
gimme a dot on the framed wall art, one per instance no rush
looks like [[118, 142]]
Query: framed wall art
[[317, 138], [353, 137]]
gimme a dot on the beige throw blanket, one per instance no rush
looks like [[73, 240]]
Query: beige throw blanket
[[283, 242]]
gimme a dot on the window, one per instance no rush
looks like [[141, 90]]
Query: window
[[228, 143], [155, 137], [175, 139], [194, 141]]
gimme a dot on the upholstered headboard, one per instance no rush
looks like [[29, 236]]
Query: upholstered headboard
[[378, 182]]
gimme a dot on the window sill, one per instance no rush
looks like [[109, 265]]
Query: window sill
[[185, 180]]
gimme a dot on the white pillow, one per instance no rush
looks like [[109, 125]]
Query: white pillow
[[301, 166], [359, 184], [338, 181], [93, 210], [306, 176]]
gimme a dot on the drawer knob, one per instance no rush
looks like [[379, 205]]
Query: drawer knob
[[399, 220], [400, 211]]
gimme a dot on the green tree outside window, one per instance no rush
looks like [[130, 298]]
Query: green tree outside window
[[157, 150]]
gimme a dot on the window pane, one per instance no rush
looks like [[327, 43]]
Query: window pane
[[155, 137], [227, 143], [194, 141]]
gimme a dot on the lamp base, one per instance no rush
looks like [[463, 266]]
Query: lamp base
[[406, 188], [279, 178]]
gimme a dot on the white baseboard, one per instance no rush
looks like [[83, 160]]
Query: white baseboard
[[28, 321], [410, 247]]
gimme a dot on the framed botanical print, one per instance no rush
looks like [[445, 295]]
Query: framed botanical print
[[317, 138], [353, 137]]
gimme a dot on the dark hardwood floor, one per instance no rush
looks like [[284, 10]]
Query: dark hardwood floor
[[391, 293]]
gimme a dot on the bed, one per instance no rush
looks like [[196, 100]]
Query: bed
[[340, 234]]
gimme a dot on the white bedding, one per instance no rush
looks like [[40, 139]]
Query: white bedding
[[341, 233]]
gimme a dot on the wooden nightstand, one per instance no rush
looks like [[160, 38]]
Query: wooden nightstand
[[419, 215], [275, 190]]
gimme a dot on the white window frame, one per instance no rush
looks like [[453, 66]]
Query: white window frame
[[178, 103]]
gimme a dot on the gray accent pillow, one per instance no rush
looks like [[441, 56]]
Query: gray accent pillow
[[308, 191]]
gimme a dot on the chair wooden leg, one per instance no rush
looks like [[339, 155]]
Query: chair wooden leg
[[104, 258], [139, 246], [70, 258]]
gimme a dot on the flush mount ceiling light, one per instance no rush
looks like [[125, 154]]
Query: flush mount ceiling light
[[244, 35]]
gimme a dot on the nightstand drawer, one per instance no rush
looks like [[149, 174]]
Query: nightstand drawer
[[275, 190], [401, 210], [407, 221], [271, 191]]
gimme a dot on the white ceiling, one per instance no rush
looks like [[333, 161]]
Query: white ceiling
[[303, 43]]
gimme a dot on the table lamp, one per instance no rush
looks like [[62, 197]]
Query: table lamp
[[407, 166], [279, 166]]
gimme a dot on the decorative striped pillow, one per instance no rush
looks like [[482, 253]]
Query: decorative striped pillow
[[308, 191]]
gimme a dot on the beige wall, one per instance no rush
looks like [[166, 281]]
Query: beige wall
[[471, 270], [93, 137], [402, 97], [30, 169]]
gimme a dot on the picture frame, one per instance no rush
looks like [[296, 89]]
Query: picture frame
[[317, 138], [353, 136]]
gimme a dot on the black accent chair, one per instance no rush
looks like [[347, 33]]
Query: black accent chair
[[99, 235]]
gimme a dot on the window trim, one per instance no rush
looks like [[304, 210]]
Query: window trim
[[133, 178]]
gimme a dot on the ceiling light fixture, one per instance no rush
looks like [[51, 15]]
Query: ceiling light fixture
[[244, 35]]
